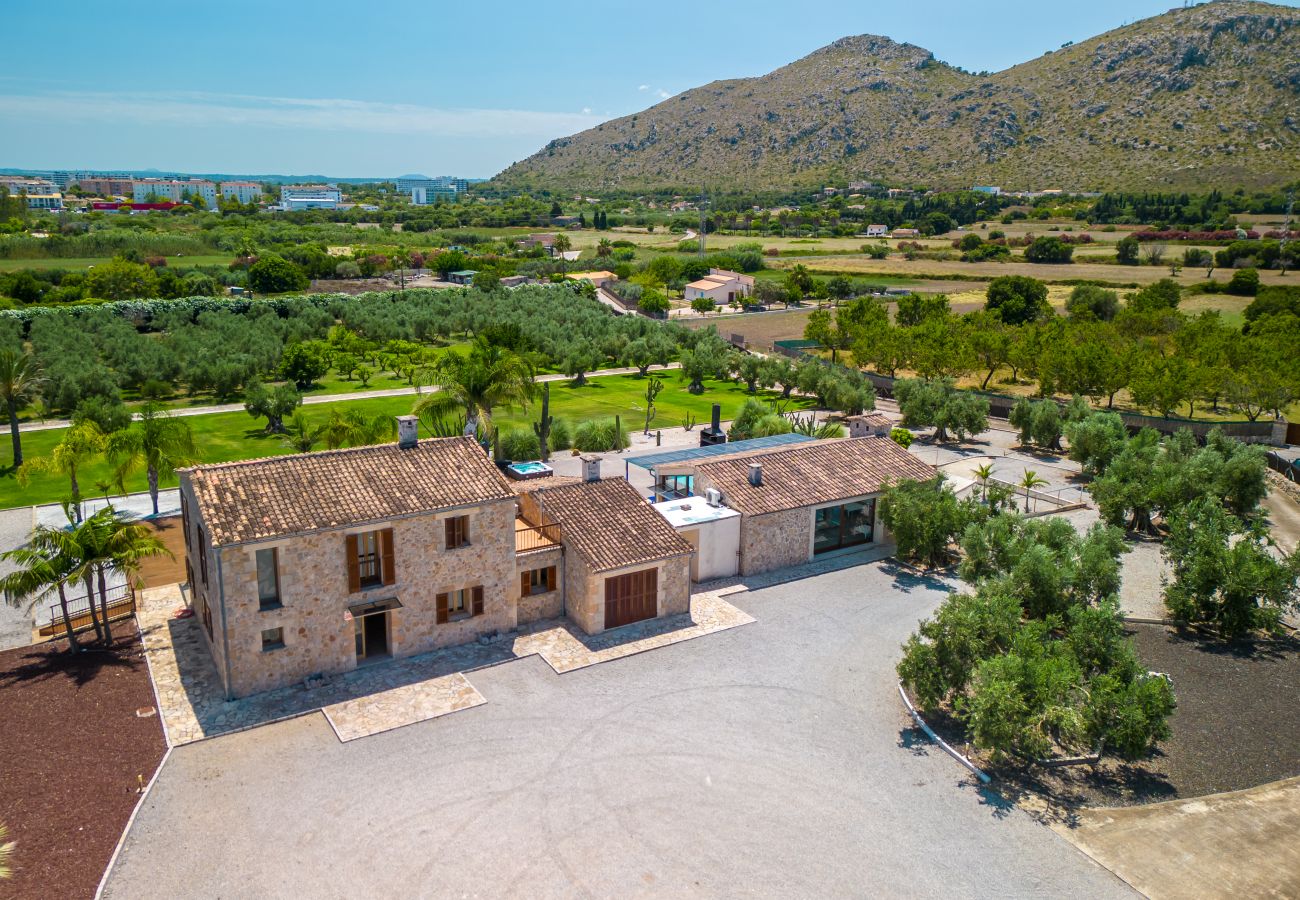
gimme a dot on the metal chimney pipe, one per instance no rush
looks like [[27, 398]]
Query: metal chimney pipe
[[717, 418], [756, 474]]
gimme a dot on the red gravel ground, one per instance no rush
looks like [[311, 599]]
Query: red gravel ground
[[73, 753]]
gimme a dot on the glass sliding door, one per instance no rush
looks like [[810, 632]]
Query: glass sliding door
[[848, 525]]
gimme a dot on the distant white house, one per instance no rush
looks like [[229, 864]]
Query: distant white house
[[877, 231], [721, 286]]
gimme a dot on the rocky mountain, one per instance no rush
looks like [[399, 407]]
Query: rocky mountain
[[1202, 96]]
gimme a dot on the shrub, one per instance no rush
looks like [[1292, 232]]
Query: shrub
[[560, 438], [153, 389], [1049, 250], [518, 444], [599, 436], [901, 436], [1017, 299], [1244, 283]]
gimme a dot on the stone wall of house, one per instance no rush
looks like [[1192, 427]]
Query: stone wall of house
[[203, 594], [314, 590], [585, 601], [549, 605], [775, 540]]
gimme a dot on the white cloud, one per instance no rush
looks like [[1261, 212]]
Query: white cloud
[[643, 87], [662, 94], [183, 108]]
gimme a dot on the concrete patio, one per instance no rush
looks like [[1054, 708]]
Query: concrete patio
[[387, 695]]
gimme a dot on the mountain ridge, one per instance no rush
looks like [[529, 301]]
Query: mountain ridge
[[1198, 96]]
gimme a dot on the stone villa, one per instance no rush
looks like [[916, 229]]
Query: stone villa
[[322, 562]]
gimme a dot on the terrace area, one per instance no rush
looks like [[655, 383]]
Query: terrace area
[[530, 537]]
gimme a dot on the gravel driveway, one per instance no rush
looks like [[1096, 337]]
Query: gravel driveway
[[772, 760]]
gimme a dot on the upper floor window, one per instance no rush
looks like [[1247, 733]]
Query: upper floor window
[[268, 578], [457, 532], [370, 559]]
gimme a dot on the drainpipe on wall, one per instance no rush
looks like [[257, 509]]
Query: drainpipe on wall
[[225, 624]]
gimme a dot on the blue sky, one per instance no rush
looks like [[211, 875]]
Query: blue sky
[[388, 87]]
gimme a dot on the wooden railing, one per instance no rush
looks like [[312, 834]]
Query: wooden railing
[[121, 605], [536, 537]]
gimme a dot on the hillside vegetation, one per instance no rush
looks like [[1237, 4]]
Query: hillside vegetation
[[1207, 95]]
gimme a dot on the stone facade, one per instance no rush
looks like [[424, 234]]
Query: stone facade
[[775, 540], [585, 599], [549, 605], [317, 635]]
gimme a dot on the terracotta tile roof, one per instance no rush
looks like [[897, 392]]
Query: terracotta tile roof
[[609, 524], [808, 474], [266, 498], [528, 485]]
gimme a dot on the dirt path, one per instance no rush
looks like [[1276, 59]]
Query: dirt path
[[1284, 516]]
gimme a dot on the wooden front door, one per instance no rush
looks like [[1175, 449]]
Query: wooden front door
[[631, 597]]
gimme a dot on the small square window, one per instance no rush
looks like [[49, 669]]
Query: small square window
[[457, 532], [272, 639]]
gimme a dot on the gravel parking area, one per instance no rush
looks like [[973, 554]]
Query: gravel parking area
[[15, 622], [770, 760], [75, 753]]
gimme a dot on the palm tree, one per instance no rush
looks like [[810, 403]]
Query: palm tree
[[354, 429], [560, 245], [6, 852], [121, 544], [40, 572], [604, 248], [1029, 482], [20, 379], [80, 444], [476, 383], [159, 442], [984, 473], [300, 435]]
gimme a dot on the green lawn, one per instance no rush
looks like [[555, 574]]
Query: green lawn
[[222, 437], [78, 263]]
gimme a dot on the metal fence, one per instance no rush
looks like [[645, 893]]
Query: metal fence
[[536, 537], [1287, 468], [121, 605]]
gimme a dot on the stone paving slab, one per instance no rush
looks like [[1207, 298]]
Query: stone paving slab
[[387, 695], [401, 706]]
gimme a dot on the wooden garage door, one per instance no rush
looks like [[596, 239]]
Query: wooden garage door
[[631, 597]]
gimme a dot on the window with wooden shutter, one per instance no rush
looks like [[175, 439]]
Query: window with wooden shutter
[[550, 578], [442, 610], [352, 553], [478, 601], [525, 583], [457, 532], [388, 569], [537, 581]]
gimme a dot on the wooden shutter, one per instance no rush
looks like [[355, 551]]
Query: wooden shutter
[[387, 569], [478, 600], [525, 582], [441, 618], [550, 578], [354, 563]]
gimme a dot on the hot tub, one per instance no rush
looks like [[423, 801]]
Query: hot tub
[[521, 471]]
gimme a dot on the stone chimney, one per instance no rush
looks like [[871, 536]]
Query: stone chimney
[[408, 431], [590, 468], [756, 474]]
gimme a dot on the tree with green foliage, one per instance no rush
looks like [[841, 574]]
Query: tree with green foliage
[[475, 384], [20, 383], [799, 282], [703, 305], [271, 403], [1244, 283], [273, 274], [924, 518], [937, 403], [653, 302], [80, 445], [1158, 296], [1039, 423], [1049, 250], [304, 362], [1126, 251], [119, 279], [1227, 573], [1096, 440], [1089, 301], [709, 358], [916, 309], [157, 442], [1017, 299]]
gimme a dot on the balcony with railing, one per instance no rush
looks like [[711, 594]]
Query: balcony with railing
[[530, 537]]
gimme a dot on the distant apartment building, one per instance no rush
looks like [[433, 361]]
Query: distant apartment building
[[175, 190], [107, 185], [40, 194], [243, 191], [310, 196]]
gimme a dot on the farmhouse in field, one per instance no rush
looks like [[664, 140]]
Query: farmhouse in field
[[877, 231], [720, 286], [323, 562]]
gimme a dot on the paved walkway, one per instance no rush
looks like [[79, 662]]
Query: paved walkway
[[383, 696], [1238, 844], [313, 399]]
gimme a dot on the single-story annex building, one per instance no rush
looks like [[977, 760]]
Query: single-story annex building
[[721, 286]]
